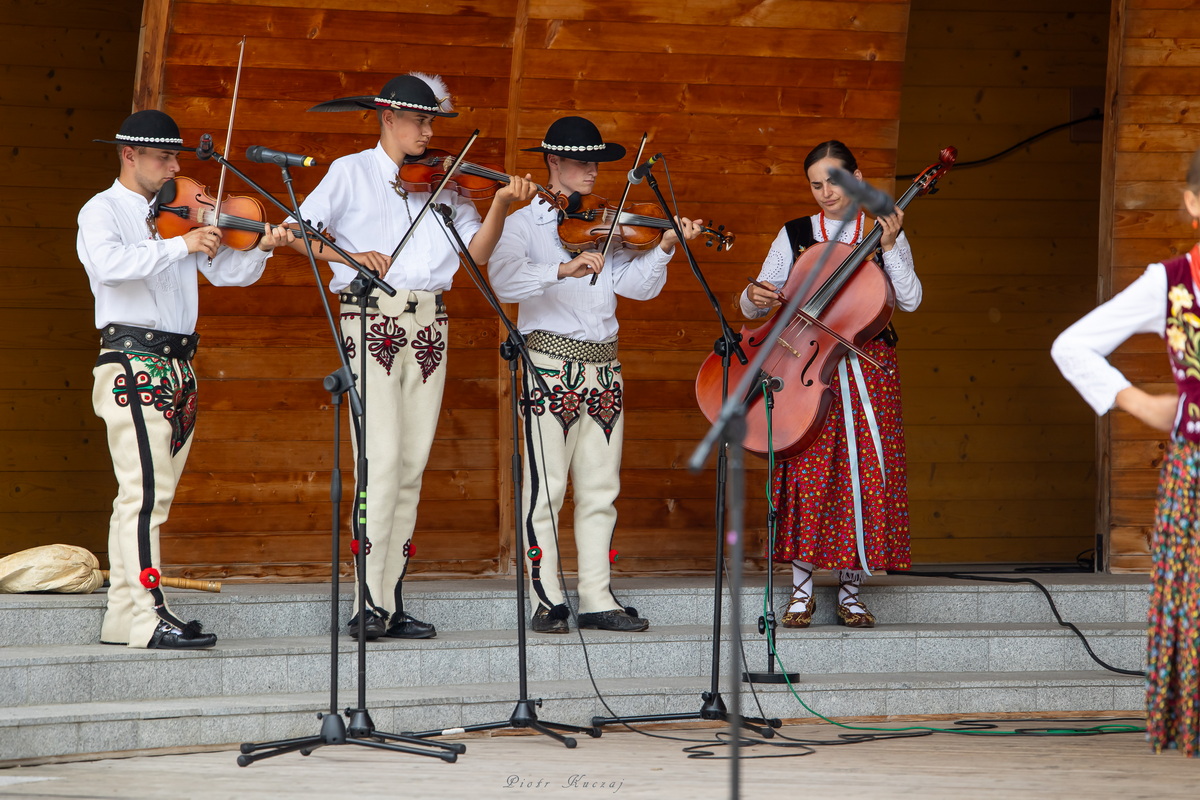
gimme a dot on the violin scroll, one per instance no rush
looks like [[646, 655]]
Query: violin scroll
[[717, 237]]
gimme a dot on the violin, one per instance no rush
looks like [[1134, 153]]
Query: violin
[[240, 220], [849, 303], [473, 181], [584, 222]]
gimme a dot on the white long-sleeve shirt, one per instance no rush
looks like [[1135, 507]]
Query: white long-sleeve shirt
[[1081, 351], [524, 269], [357, 203], [897, 262], [140, 279]]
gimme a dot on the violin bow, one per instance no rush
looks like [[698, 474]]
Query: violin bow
[[617, 216], [459, 160], [237, 81]]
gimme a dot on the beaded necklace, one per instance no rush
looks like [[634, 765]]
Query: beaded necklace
[[858, 225]]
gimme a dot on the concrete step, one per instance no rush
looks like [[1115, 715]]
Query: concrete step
[[63, 674], [47, 730], [269, 610]]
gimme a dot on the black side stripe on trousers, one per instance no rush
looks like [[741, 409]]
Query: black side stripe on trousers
[[143, 440], [535, 568]]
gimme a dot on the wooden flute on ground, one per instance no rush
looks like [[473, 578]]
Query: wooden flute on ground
[[183, 583]]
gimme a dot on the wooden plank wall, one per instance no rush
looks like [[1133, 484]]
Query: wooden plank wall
[[733, 94], [61, 87], [1150, 139], [1000, 447]]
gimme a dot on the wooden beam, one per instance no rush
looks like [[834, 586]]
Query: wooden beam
[[152, 47], [1104, 267]]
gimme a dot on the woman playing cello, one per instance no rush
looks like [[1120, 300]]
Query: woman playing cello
[[860, 452]]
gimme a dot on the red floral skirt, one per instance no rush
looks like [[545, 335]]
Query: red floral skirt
[[813, 494]]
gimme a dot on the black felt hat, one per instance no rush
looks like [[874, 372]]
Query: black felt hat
[[412, 92], [577, 138], [149, 128]]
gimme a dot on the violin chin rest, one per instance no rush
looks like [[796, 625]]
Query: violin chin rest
[[574, 201], [166, 195]]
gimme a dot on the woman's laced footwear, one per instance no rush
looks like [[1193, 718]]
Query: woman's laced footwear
[[850, 611], [800, 609]]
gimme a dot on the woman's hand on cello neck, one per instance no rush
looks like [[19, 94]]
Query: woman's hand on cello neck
[[891, 225]]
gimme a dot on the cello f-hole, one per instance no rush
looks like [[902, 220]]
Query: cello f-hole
[[804, 379]]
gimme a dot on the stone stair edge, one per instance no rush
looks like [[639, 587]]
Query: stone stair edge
[[544, 690], [449, 640], [498, 587]]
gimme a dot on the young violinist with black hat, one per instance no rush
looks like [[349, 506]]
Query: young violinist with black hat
[[145, 389], [571, 329], [364, 205]]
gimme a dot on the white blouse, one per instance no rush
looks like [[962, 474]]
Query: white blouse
[[897, 262], [143, 280], [357, 203], [1081, 351], [524, 269]]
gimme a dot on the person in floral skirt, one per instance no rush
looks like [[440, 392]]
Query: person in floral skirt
[[1165, 300], [842, 504]]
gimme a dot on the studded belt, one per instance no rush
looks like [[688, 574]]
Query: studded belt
[[132, 339], [567, 349], [373, 302]]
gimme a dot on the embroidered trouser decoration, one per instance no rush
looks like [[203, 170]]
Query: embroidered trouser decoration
[[590, 454], [852, 445], [402, 376], [148, 404]]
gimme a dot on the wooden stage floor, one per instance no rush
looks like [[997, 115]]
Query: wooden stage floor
[[622, 764]]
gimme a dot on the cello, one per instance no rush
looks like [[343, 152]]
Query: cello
[[850, 302]]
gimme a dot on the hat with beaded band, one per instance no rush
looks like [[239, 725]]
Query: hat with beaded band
[[149, 128], [412, 92], [577, 138]]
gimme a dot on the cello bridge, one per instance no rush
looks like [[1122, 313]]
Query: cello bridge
[[787, 347]]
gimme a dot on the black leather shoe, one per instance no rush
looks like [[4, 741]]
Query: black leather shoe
[[375, 626], [405, 627], [614, 620], [542, 622], [190, 637]]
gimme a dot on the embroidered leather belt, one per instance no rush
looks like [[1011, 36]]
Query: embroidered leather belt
[[132, 339], [373, 302], [572, 349]]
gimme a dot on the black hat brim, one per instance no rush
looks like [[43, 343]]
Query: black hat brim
[[155, 145], [368, 102], [611, 152]]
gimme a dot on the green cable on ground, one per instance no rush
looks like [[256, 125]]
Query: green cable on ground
[[800, 700]]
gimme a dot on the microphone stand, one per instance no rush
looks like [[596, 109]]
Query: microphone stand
[[712, 705], [511, 350], [730, 427], [361, 730]]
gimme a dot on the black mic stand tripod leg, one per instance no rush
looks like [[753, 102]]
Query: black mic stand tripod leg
[[361, 730], [712, 705], [512, 351]]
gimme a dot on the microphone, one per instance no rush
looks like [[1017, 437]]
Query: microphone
[[205, 150], [447, 211], [875, 202], [639, 173], [265, 155]]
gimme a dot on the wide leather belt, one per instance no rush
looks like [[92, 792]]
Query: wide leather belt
[[556, 346], [132, 339], [373, 302]]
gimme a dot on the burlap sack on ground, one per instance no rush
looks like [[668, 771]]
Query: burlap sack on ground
[[50, 568]]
